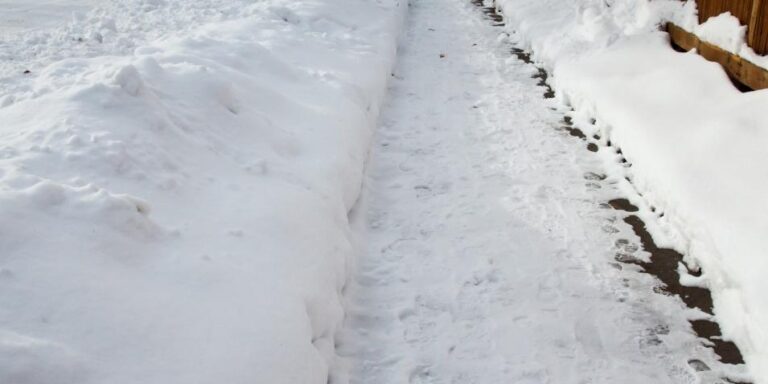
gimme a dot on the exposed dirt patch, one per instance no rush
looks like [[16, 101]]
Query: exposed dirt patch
[[541, 74], [573, 131], [490, 12], [623, 205], [663, 265]]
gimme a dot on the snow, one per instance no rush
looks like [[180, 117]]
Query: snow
[[724, 31], [695, 143], [485, 254], [176, 187], [31, 15], [186, 198]]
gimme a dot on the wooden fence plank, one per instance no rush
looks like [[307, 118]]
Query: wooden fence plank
[[753, 13], [758, 27], [742, 9]]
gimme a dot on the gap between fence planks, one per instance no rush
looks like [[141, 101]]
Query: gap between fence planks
[[742, 70]]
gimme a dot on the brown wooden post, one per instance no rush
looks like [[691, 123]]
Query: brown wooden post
[[758, 27]]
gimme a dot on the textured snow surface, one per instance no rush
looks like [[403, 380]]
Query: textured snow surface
[[697, 145], [175, 178], [180, 188], [30, 15], [486, 254]]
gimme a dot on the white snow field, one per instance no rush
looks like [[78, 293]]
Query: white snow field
[[175, 178], [30, 15], [697, 144]]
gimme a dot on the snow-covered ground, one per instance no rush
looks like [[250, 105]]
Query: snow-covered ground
[[32, 15], [175, 178], [697, 144], [180, 194], [487, 256]]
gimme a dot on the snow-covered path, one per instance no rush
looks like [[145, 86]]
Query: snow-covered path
[[487, 254]]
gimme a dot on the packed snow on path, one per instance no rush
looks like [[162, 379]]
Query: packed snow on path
[[175, 178], [486, 254]]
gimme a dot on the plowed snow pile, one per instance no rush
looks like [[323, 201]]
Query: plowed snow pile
[[175, 178]]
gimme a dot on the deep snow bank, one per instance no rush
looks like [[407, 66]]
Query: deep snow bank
[[697, 145], [179, 214]]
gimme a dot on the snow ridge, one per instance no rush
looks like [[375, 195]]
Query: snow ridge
[[175, 188]]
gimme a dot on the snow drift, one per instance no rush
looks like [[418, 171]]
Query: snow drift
[[178, 214], [697, 145]]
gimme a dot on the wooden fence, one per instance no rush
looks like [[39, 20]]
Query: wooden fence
[[752, 13]]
